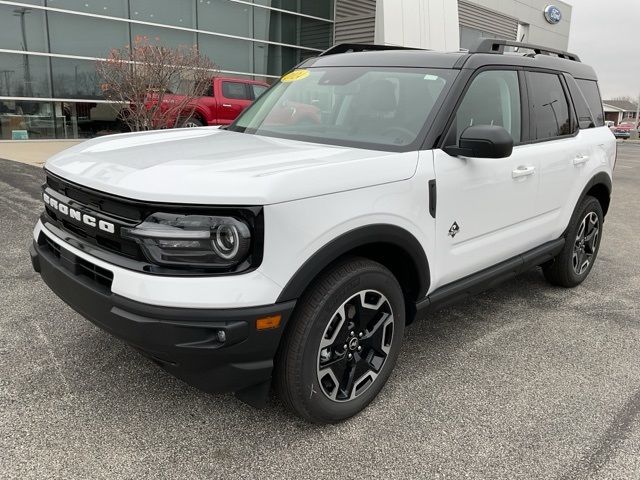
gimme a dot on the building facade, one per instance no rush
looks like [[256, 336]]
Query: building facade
[[49, 48]]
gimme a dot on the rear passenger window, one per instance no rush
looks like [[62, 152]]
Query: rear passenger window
[[234, 90], [549, 106], [591, 94], [492, 99]]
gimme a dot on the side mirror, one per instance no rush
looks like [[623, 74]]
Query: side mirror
[[483, 141]]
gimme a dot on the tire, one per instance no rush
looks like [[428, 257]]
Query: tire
[[353, 293], [569, 269], [192, 122]]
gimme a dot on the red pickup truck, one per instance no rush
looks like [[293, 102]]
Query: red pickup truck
[[225, 100]]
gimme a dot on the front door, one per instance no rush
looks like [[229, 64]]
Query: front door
[[486, 207]]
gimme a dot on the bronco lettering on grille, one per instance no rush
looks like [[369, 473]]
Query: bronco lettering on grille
[[77, 215]]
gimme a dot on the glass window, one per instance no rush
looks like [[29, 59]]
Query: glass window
[[258, 90], [357, 106], [235, 90], [24, 75], [26, 120], [113, 8], [22, 28], [170, 12], [227, 53], [549, 106], [75, 78], [223, 16], [85, 36], [274, 59], [492, 99], [316, 8], [285, 28], [592, 96], [163, 36]]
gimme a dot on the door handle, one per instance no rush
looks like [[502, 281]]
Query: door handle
[[580, 159], [226, 105], [523, 171]]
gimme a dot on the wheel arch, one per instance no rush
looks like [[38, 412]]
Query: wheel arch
[[390, 245], [600, 187]]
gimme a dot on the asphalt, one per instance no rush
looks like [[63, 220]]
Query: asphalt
[[524, 381]]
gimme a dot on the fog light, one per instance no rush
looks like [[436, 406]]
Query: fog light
[[222, 336]]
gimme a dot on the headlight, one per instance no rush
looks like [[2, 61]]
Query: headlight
[[192, 240]]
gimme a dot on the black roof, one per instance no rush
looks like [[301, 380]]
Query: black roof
[[378, 56]]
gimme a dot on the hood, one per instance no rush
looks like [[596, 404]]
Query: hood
[[212, 166]]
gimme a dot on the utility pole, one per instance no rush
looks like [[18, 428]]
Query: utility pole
[[21, 12], [638, 113]]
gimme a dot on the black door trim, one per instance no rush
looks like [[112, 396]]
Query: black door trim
[[490, 277]]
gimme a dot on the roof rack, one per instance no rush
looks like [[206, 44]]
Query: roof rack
[[489, 45], [361, 47]]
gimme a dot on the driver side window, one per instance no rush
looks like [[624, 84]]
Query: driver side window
[[492, 99]]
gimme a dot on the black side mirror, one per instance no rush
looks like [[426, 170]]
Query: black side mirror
[[483, 141]]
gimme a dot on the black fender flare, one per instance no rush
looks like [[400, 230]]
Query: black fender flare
[[351, 240], [601, 178]]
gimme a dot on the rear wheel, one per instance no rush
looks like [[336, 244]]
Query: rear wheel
[[575, 261], [342, 342], [192, 122]]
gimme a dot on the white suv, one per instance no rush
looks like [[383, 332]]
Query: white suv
[[367, 186]]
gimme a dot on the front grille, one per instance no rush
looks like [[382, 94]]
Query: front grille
[[76, 265], [105, 207]]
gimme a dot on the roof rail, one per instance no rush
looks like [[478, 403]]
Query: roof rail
[[361, 47], [489, 45]]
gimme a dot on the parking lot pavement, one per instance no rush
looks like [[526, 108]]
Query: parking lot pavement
[[524, 381]]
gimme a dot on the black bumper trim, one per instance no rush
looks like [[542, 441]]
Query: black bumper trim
[[184, 341]]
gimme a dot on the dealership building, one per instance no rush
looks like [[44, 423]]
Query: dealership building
[[48, 48]]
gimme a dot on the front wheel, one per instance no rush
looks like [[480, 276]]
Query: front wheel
[[575, 261], [342, 342]]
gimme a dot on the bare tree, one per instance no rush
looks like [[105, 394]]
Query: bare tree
[[154, 86]]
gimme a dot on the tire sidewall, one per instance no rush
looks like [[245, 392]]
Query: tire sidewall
[[316, 402], [588, 205]]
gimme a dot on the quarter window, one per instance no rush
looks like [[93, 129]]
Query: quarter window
[[234, 90], [549, 106], [591, 94], [492, 99]]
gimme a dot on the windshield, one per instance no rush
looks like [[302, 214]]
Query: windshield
[[359, 106]]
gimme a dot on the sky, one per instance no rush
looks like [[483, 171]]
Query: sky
[[606, 35]]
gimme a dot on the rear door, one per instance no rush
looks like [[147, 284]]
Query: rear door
[[235, 97], [556, 141], [486, 206]]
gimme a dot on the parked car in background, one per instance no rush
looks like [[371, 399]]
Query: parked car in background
[[225, 99], [624, 129]]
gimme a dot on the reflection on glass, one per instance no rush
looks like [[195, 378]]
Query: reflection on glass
[[22, 28], [285, 28], [85, 36], [75, 78], [163, 36], [113, 8], [227, 53], [169, 12], [24, 76], [316, 8], [274, 59], [223, 16]]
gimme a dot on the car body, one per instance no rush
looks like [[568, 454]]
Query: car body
[[225, 99], [623, 129], [221, 253]]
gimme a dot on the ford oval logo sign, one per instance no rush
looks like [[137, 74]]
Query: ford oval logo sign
[[552, 14]]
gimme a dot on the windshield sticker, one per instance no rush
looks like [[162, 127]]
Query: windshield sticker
[[295, 75], [431, 77]]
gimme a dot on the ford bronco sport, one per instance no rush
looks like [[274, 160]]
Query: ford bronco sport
[[294, 253]]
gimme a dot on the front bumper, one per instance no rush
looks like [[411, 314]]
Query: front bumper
[[184, 341]]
